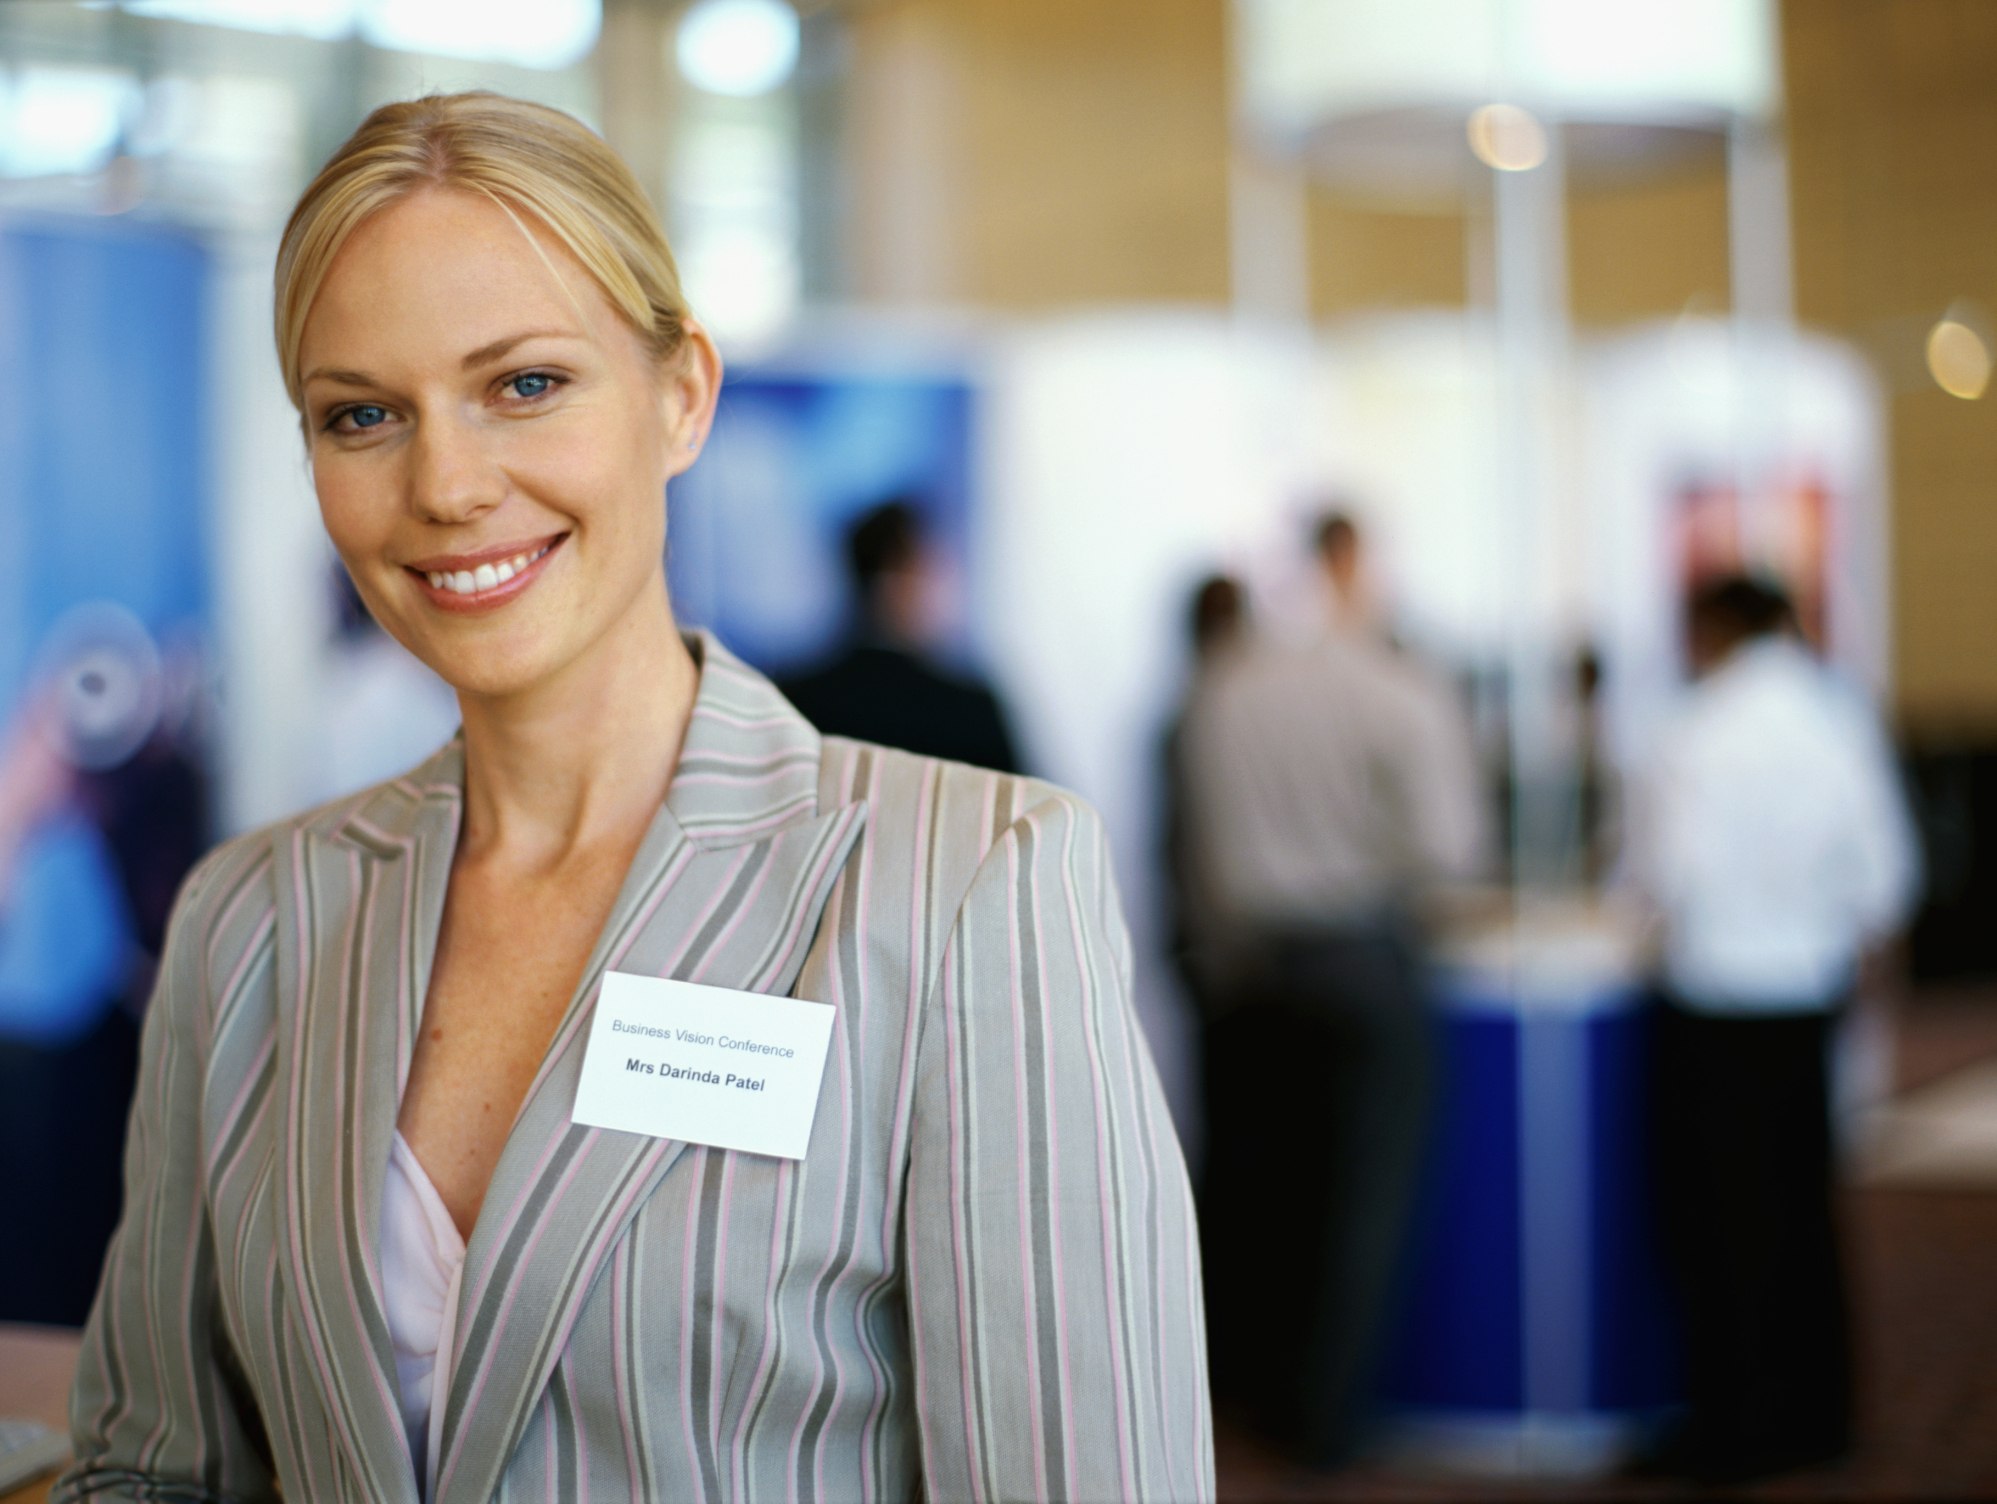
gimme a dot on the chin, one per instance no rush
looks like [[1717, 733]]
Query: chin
[[489, 681], [486, 658], [478, 671]]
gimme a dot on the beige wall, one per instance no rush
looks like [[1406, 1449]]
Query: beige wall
[[1634, 252], [1363, 256], [639, 91], [1893, 146], [1031, 153], [1649, 251], [1025, 154]]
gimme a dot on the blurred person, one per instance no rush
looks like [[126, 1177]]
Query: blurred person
[[1217, 625], [1776, 847], [35, 781], [1598, 810], [368, 1252], [1332, 787], [90, 859], [883, 686], [64, 941]]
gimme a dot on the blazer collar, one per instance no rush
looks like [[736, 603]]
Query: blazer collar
[[727, 888]]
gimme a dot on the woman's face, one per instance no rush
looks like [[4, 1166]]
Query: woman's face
[[490, 443]]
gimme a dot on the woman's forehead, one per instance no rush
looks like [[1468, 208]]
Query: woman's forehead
[[432, 228], [453, 266]]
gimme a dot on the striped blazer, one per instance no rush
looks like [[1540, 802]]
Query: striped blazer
[[980, 1283]]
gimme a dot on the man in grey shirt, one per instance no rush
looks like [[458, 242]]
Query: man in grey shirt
[[1330, 783]]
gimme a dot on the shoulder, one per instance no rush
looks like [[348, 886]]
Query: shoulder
[[390, 811], [1241, 684], [1773, 693], [1398, 677], [942, 821], [226, 902], [975, 804]]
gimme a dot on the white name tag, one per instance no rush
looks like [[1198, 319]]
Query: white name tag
[[709, 1065]]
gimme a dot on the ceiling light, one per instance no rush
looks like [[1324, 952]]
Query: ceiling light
[[544, 34], [65, 120], [322, 19], [1958, 359], [1507, 138], [738, 47]]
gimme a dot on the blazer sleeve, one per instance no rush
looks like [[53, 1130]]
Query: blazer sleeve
[[160, 1409], [1054, 1284]]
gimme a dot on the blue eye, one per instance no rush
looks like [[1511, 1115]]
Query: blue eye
[[533, 384], [365, 416]]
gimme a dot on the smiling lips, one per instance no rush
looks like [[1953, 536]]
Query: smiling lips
[[486, 576], [484, 582]]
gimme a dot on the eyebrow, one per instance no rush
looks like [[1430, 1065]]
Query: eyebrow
[[342, 378], [486, 354], [483, 355]]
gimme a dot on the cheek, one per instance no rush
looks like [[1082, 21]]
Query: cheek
[[357, 525], [633, 524], [343, 504], [617, 483]]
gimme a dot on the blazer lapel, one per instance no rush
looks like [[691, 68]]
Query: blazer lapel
[[726, 889], [358, 911]]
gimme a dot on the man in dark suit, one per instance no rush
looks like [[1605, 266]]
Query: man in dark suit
[[882, 687]]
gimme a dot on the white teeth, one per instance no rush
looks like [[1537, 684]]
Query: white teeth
[[484, 577]]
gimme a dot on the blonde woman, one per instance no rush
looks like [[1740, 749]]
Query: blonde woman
[[368, 1251]]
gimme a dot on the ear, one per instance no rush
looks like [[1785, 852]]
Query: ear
[[691, 390]]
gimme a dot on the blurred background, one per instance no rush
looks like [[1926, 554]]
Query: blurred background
[[1569, 307]]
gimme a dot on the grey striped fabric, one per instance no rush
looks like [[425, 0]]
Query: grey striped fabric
[[981, 1283]]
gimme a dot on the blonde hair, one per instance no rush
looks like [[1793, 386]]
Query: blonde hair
[[530, 160]]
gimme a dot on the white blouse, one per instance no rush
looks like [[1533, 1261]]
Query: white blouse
[[422, 1265]]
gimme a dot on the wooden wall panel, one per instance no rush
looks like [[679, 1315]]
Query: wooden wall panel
[[1035, 153], [1364, 257], [1030, 154], [1893, 163], [1648, 251]]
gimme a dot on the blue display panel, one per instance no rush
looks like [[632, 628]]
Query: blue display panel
[[103, 434], [103, 478], [104, 592], [1463, 1340], [755, 527]]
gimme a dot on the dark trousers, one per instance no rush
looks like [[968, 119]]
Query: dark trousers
[[1745, 1184], [1318, 1089]]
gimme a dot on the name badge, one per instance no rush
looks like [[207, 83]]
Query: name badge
[[709, 1065]]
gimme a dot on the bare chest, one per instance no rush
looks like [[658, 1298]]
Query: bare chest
[[508, 960]]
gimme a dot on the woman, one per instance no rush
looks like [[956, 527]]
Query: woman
[[366, 1252]]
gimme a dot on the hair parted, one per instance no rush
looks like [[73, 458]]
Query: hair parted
[[532, 160]]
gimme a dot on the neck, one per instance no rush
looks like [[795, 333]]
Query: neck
[[584, 758], [1347, 606]]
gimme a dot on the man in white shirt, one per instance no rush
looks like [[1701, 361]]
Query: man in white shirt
[[1776, 848], [1328, 785]]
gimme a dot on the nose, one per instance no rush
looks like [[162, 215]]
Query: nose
[[452, 477]]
